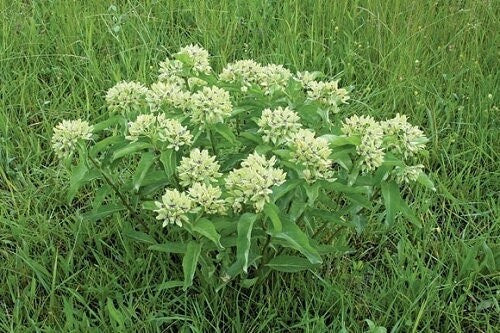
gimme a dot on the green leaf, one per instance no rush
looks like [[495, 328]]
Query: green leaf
[[272, 212], [139, 236], [284, 188], [424, 180], [104, 143], [107, 123], [341, 140], [169, 160], [146, 162], [189, 262], [103, 211], [225, 132], [289, 264], [392, 199], [115, 314], [244, 228], [299, 241], [130, 149], [77, 179], [409, 214], [206, 228], [169, 247], [312, 192]]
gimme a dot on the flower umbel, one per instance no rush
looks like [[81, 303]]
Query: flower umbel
[[127, 97], [207, 197], [210, 105], [172, 131], [313, 154], [143, 126], [252, 182], [173, 207], [199, 167], [167, 94], [408, 140], [67, 134], [279, 125], [328, 93], [170, 71], [197, 58]]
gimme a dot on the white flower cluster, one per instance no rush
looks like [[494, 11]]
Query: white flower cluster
[[197, 57], [279, 125], [306, 78], [127, 97], [327, 93], [395, 135], [252, 182], [313, 154], [171, 71], [199, 167], [159, 128], [174, 207], [210, 105], [408, 139], [370, 150], [168, 94], [208, 198], [67, 134], [408, 174], [248, 72]]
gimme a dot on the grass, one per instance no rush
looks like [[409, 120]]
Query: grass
[[436, 61]]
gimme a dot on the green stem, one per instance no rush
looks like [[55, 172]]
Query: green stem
[[110, 182], [211, 138]]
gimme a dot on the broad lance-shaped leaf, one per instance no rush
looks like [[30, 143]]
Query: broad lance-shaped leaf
[[284, 263], [207, 229], [130, 149], [225, 132], [189, 262], [299, 241], [142, 169], [169, 160], [243, 243], [392, 198], [77, 179], [272, 212], [169, 247]]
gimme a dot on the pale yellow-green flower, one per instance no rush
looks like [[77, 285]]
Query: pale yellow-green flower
[[67, 134], [407, 139], [167, 94], [172, 131], [127, 97], [244, 72], [251, 184], [174, 207], [198, 58], [408, 174], [279, 125], [313, 154], [208, 198], [199, 167], [143, 126], [210, 105], [327, 93], [273, 77], [171, 71]]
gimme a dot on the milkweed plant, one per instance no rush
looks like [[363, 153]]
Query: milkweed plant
[[241, 172]]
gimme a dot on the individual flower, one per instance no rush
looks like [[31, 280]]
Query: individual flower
[[144, 125], [210, 105], [273, 77], [252, 182], [207, 197], [167, 94], [370, 150], [127, 97], [313, 154], [172, 131], [244, 72], [173, 207], [408, 174], [279, 125], [327, 93], [199, 167], [194, 82], [408, 140], [196, 57], [67, 134], [171, 71], [306, 78]]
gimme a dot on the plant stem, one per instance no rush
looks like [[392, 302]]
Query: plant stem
[[110, 182], [211, 138]]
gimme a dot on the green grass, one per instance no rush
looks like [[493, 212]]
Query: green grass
[[436, 61]]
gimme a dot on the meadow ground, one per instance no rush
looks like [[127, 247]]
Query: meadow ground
[[436, 61]]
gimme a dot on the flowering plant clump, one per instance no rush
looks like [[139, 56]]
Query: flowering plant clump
[[241, 172]]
